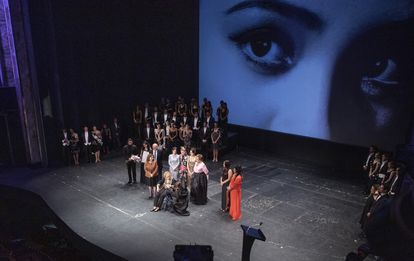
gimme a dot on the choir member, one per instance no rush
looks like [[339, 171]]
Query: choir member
[[204, 137], [148, 133], [215, 141], [65, 139], [96, 143], [74, 146], [86, 144], [106, 138], [137, 119], [159, 134], [116, 133]]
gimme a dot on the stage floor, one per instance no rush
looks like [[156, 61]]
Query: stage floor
[[308, 213]]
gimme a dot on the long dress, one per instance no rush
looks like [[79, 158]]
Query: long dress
[[199, 184], [224, 200], [174, 162], [181, 202], [235, 197]]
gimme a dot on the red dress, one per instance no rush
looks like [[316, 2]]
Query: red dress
[[235, 197]]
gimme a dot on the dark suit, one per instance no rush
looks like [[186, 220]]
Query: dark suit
[[148, 136], [210, 121], [116, 134], [130, 150], [148, 118], [204, 139], [186, 120], [156, 118], [66, 147], [162, 120], [158, 158], [86, 146]]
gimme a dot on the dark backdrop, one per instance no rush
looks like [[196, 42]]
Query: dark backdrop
[[113, 54]]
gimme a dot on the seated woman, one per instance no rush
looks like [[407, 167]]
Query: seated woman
[[181, 200], [164, 187]]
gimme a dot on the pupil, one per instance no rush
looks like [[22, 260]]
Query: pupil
[[260, 48]]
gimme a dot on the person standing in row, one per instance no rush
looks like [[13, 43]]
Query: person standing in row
[[235, 194], [215, 141], [74, 146], [131, 150], [87, 143], [225, 182], [174, 163], [151, 173], [190, 166], [106, 138], [137, 119], [199, 182], [157, 153], [145, 151], [116, 133], [97, 143]]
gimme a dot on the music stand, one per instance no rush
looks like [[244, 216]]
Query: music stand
[[249, 235]]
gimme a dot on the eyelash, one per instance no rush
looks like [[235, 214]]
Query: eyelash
[[278, 39]]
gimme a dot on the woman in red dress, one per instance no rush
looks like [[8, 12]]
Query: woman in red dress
[[235, 194]]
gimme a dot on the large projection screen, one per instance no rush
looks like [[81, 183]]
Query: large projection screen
[[338, 70]]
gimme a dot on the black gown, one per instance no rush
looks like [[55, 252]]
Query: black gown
[[199, 189], [181, 202], [224, 190]]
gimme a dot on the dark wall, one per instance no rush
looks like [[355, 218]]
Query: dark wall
[[113, 54]]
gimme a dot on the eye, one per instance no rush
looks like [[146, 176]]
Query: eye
[[381, 78], [267, 49]]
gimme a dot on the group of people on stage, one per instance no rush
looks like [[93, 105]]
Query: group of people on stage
[[181, 124], [90, 143], [185, 180], [383, 180]]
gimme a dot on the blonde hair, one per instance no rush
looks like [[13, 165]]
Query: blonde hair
[[167, 173]]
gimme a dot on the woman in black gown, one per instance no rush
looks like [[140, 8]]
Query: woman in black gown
[[199, 182], [224, 182]]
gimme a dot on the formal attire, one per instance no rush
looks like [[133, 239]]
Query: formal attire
[[166, 189], [130, 150], [151, 173], [199, 184], [181, 201], [87, 145], [205, 138], [174, 163], [224, 195], [116, 134], [144, 156], [235, 197], [183, 172], [149, 135], [158, 158], [106, 139], [190, 165], [215, 136], [65, 139]]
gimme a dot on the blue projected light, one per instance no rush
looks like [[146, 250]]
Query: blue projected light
[[324, 69]]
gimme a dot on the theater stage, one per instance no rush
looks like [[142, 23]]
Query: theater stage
[[308, 213]]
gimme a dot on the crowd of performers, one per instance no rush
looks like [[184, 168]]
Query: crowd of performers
[[185, 180], [187, 133]]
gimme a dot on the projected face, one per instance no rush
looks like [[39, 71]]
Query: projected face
[[338, 70]]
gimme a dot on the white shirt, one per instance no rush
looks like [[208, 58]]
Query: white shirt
[[165, 117], [148, 131], [195, 123], [155, 116], [86, 134], [146, 112], [185, 119]]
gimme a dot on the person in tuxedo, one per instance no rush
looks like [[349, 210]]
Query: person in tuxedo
[[366, 167], [157, 153], [175, 118], [148, 133], [209, 119], [65, 141], [194, 110], [129, 151], [204, 139], [185, 119], [116, 133], [156, 117], [165, 118], [106, 138], [87, 140], [137, 119], [195, 125], [147, 113], [383, 170]]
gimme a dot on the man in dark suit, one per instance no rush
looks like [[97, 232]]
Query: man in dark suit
[[157, 153], [185, 119], [131, 150], [156, 117], [366, 166], [204, 139], [86, 138], [64, 138], [209, 120], [195, 124], [116, 133], [148, 133], [165, 118]]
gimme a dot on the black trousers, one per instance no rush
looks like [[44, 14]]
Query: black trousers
[[132, 171], [87, 153]]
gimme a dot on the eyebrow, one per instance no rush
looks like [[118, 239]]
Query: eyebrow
[[306, 17]]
